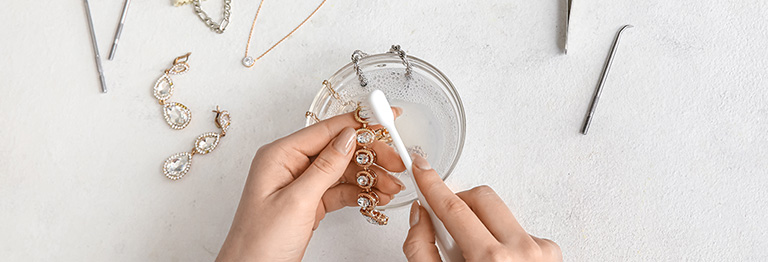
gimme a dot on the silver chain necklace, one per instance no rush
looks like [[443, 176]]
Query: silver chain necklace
[[216, 27]]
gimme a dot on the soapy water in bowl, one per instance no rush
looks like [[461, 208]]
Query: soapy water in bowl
[[428, 122]]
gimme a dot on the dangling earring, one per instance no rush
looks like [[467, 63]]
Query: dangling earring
[[177, 165], [176, 114]]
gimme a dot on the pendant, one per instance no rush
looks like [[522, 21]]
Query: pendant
[[177, 165], [163, 88], [176, 115], [206, 143], [248, 61]]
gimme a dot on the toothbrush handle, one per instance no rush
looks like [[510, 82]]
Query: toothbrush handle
[[445, 242]]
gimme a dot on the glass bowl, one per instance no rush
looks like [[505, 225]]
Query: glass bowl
[[433, 115]]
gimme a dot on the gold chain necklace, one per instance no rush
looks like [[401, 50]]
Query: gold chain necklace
[[249, 61]]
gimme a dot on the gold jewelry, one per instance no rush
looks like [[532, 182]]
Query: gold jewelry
[[382, 135], [181, 2], [249, 61], [344, 103], [176, 114], [312, 115], [365, 157], [177, 165]]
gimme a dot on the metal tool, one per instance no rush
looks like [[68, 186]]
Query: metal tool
[[95, 48], [607, 69], [567, 25], [119, 30]]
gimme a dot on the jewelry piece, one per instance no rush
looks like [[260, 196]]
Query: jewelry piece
[[365, 157], [356, 57], [177, 165], [383, 135], [249, 61], [309, 114], [216, 27], [395, 49], [181, 2], [176, 114], [344, 103]]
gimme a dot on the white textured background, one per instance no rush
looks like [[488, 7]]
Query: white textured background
[[674, 167]]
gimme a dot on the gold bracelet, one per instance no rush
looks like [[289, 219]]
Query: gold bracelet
[[365, 157]]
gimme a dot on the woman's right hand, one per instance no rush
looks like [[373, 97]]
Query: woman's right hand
[[478, 219]]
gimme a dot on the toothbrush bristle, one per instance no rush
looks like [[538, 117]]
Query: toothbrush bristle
[[367, 114]]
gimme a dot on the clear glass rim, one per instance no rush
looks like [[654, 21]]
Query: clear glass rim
[[373, 60]]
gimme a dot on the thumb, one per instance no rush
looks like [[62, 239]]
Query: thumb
[[420, 243], [328, 167]]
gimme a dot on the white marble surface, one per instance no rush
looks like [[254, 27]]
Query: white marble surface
[[674, 167]]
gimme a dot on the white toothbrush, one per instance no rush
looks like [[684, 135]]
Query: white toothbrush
[[382, 114]]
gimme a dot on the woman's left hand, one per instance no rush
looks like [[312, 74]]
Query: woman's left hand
[[294, 181]]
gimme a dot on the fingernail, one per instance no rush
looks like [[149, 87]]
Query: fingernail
[[344, 141], [414, 219], [420, 163], [398, 110], [399, 182]]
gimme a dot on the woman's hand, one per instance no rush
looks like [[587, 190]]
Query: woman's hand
[[294, 181], [478, 219]]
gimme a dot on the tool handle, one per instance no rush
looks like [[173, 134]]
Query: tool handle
[[95, 47], [119, 30], [445, 242]]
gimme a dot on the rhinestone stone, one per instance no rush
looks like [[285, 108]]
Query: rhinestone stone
[[364, 136], [371, 220], [223, 120], [365, 114], [248, 61], [179, 68], [177, 115], [362, 181], [363, 159], [163, 88], [206, 143], [177, 165], [363, 202]]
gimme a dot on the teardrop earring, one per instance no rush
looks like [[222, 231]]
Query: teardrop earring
[[176, 114], [177, 165]]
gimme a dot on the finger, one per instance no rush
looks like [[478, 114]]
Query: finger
[[549, 248], [387, 157], [327, 168], [310, 140], [468, 231], [384, 181], [420, 243], [319, 215], [494, 213], [345, 195]]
